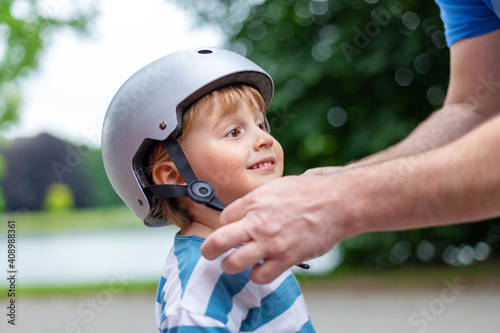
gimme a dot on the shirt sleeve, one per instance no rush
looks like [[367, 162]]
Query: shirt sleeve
[[467, 18]]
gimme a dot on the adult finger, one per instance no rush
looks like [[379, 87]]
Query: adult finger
[[248, 255], [223, 239], [268, 271]]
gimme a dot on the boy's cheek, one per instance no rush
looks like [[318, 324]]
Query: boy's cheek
[[220, 175]]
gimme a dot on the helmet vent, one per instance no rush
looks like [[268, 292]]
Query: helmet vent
[[205, 51]]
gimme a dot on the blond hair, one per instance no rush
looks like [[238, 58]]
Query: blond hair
[[229, 99]]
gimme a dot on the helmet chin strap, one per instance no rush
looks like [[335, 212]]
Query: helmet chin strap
[[197, 190]]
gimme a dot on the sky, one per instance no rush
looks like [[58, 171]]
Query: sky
[[78, 75]]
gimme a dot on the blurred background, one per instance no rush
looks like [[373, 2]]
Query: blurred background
[[352, 77]]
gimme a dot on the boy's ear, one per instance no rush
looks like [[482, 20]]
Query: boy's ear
[[166, 173]]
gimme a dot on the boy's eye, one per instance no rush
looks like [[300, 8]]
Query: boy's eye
[[263, 127], [233, 133]]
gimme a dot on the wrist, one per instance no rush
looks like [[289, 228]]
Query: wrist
[[342, 208]]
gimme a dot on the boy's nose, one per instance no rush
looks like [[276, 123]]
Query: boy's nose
[[263, 140]]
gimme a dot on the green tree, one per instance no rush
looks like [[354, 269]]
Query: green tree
[[25, 29], [351, 77], [58, 198], [101, 193]]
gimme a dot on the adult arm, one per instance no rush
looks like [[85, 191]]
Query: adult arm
[[455, 180]]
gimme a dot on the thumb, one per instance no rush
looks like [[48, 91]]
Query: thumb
[[235, 211]]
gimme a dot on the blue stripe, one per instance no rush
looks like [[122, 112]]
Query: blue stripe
[[195, 329], [186, 266], [221, 301], [272, 305], [160, 292], [160, 298]]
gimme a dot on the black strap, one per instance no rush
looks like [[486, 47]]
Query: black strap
[[180, 160], [168, 191], [216, 204], [199, 191]]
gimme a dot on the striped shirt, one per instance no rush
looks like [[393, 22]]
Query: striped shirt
[[195, 295]]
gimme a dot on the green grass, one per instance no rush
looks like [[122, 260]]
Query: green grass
[[70, 290], [78, 219]]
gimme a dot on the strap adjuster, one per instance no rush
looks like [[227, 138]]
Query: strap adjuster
[[200, 191]]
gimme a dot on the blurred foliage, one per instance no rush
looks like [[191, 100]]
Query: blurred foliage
[[101, 192], [25, 28], [352, 77], [59, 198], [34, 164]]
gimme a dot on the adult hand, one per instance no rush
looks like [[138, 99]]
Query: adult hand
[[283, 223]]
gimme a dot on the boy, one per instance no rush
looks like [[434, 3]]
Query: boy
[[183, 137]]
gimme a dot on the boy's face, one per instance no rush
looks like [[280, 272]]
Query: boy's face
[[233, 152]]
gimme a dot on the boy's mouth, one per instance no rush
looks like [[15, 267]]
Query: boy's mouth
[[265, 163]]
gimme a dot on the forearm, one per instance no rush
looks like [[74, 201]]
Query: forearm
[[459, 182]]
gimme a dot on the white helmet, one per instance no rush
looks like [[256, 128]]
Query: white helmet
[[149, 107]]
